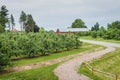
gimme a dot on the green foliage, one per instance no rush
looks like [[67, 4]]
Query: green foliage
[[84, 33], [3, 16], [112, 34], [22, 20], [95, 27], [12, 21], [43, 73], [29, 25], [1, 29], [54, 56], [101, 31], [113, 25], [4, 61], [113, 31], [78, 23], [32, 44], [94, 34], [35, 44]]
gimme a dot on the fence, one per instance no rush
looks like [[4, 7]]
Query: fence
[[106, 74]]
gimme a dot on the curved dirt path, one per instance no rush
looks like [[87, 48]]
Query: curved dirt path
[[48, 62], [68, 70]]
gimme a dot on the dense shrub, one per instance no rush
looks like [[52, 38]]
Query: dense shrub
[[112, 31], [87, 33], [94, 34], [4, 61], [112, 34], [13, 45], [32, 44]]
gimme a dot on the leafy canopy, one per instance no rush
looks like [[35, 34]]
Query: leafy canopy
[[78, 23]]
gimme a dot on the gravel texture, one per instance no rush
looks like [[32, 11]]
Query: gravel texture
[[69, 69]]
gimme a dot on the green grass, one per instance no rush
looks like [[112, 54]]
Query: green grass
[[43, 73], [100, 39], [53, 56], [109, 63]]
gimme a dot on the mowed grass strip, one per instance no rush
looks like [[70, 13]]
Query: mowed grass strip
[[100, 39], [54, 56], [43, 73], [109, 63]]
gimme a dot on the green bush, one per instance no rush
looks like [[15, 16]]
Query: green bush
[[1, 29], [4, 61], [94, 34], [34, 44]]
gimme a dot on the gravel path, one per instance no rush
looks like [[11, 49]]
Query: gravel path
[[68, 70], [48, 62]]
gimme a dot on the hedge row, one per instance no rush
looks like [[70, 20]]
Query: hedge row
[[32, 44]]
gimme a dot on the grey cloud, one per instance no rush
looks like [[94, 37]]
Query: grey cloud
[[59, 13]]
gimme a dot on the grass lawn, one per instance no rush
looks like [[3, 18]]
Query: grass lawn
[[43, 73], [54, 56], [100, 39], [108, 63]]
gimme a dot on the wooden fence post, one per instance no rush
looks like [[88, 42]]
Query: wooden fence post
[[92, 71], [93, 61], [116, 77]]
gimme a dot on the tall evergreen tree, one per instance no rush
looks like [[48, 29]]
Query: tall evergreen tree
[[12, 21], [9, 21], [3, 16], [30, 24], [95, 27], [22, 20]]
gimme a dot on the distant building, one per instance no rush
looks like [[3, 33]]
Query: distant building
[[14, 30], [71, 30]]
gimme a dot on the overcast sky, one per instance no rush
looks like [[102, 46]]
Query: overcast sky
[[52, 14]]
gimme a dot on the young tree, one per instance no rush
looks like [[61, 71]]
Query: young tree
[[12, 21], [94, 34], [78, 23]]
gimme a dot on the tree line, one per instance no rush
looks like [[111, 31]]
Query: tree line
[[111, 32], [26, 21]]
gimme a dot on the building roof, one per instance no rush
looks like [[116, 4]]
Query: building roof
[[14, 30], [73, 29]]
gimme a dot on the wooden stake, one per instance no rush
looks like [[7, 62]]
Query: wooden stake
[[92, 71], [116, 77]]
